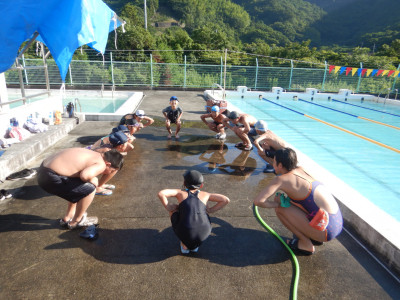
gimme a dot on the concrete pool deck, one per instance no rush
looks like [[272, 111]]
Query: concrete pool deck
[[137, 253]]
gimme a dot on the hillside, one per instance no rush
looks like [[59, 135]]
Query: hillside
[[348, 23]]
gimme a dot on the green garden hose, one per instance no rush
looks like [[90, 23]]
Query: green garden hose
[[294, 259]]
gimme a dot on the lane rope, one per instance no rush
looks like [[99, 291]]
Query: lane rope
[[340, 128], [384, 112], [343, 112], [295, 281]]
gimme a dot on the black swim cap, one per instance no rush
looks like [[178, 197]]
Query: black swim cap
[[233, 115], [193, 179]]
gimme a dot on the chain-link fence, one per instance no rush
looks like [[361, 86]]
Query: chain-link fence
[[200, 70]]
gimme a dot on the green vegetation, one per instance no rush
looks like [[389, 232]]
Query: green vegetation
[[341, 32]]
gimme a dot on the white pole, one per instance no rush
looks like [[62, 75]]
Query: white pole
[[145, 15], [223, 97]]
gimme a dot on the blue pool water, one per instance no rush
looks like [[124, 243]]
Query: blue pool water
[[96, 104], [370, 169]]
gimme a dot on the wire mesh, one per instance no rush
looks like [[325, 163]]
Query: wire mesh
[[198, 69]]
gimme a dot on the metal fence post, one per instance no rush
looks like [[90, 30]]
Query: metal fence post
[[184, 75], [26, 75], [323, 80], [255, 83], [222, 70], [112, 70], [291, 74], [70, 73], [394, 81], [151, 70], [46, 69], [21, 80], [359, 79]]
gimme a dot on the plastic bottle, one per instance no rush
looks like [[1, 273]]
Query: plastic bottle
[[51, 118]]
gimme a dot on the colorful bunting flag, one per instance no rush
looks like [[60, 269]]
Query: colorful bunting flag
[[374, 71], [337, 68], [342, 69], [354, 71], [363, 72], [331, 68], [379, 72], [348, 69], [385, 72], [396, 73], [390, 73], [369, 72]]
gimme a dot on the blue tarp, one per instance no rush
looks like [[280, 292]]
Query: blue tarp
[[63, 25]]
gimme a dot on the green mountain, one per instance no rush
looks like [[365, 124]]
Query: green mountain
[[231, 23], [350, 22]]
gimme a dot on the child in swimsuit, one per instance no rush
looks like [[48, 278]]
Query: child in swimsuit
[[173, 114], [189, 218], [217, 124], [311, 212]]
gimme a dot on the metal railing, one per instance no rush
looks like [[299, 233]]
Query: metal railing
[[154, 74]]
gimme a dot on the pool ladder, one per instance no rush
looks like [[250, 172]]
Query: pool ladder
[[76, 104]]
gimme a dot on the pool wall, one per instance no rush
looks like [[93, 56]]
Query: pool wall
[[129, 106], [374, 226]]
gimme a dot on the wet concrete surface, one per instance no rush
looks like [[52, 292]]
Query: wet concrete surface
[[137, 255]]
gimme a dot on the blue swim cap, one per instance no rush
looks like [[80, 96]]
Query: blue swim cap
[[173, 98], [215, 108]]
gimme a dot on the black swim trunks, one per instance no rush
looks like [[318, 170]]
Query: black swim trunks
[[71, 189]]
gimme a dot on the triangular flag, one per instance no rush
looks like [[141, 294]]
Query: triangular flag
[[348, 69], [337, 68], [369, 71], [331, 68], [374, 71], [342, 69], [396, 73], [379, 72], [354, 71], [363, 72], [385, 72], [390, 73]]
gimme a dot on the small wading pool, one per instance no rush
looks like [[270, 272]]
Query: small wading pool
[[95, 104]]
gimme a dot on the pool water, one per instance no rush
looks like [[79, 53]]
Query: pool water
[[96, 105], [369, 168]]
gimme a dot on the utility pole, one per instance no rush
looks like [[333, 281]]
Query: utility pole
[[145, 15]]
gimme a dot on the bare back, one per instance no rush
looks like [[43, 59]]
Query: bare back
[[247, 119], [70, 162], [297, 184]]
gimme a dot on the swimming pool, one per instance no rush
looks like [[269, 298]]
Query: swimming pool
[[369, 168], [95, 104]]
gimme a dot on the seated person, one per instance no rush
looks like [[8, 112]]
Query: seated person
[[135, 121], [189, 218], [243, 126], [72, 175], [173, 114], [267, 143], [309, 210], [217, 123]]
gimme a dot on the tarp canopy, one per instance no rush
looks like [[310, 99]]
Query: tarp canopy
[[63, 25]]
